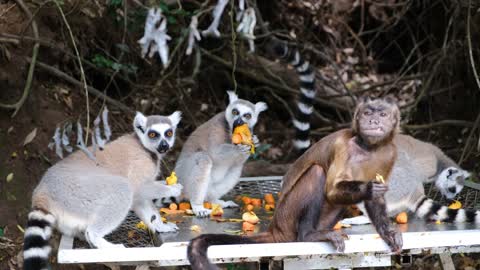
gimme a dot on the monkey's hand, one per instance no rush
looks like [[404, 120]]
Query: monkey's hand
[[376, 190], [200, 211]]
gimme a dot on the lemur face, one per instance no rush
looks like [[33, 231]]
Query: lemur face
[[157, 133], [451, 181], [240, 111]]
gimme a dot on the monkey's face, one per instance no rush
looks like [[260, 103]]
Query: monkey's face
[[240, 111], [157, 133], [376, 120]]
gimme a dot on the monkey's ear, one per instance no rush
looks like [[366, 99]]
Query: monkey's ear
[[140, 122], [175, 118], [365, 99], [389, 99], [260, 107], [232, 97]]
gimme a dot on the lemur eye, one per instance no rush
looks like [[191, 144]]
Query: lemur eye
[[247, 116], [169, 133], [367, 113], [152, 134], [383, 114], [235, 112]]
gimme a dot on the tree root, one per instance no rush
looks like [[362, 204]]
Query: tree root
[[26, 91]]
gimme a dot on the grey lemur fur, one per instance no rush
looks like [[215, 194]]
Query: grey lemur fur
[[417, 163], [210, 165], [83, 199]]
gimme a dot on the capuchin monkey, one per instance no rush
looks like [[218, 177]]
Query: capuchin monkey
[[337, 171]]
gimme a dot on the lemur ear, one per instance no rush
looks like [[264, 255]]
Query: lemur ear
[[232, 97], [260, 107], [140, 122], [175, 118]]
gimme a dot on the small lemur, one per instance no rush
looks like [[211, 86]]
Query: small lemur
[[406, 191], [89, 200], [210, 165], [306, 75]]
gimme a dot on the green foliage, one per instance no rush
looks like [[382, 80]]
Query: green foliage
[[103, 62], [115, 3], [259, 150], [1, 232], [174, 15]]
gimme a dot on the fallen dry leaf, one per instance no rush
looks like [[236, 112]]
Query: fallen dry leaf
[[30, 137]]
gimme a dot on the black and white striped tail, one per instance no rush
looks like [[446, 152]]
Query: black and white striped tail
[[429, 209], [307, 94], [36, 248]]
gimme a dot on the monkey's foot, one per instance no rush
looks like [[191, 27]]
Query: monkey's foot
[[360, 220], [337, 240], [226, 204], [161, 227], [200, 211], [394, 240]]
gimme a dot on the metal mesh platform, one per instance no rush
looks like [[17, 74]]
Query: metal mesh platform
[[131, 236], [469, 196]]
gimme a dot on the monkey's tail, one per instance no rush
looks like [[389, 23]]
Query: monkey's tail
[[429, 209], [307, 92], [36, 248], [197, 248]]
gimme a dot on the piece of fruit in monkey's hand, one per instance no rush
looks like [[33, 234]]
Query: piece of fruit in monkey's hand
[[379, 178], [242, 135], [172, 179]]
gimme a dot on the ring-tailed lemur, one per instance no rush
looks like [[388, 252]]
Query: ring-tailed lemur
[[210, 165], [406, 191], [308, 91], [89, 200]]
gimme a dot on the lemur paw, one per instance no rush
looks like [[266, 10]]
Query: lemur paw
[[161, 227], [175, 190], [255, 140], [245, 149], [200, 211], [226, 204]]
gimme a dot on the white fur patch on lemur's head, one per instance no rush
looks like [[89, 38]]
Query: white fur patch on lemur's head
[[156, 132], [243, 110], [450, 181]]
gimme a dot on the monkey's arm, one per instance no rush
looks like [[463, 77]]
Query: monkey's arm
[[348, 192], [377, 212]]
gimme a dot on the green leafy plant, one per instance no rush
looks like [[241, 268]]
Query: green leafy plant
[[103, 62]]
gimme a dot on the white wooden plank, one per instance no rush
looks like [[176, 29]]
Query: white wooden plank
[[341, 262], [175, 253]]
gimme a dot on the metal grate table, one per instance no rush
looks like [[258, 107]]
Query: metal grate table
[[364, 248]]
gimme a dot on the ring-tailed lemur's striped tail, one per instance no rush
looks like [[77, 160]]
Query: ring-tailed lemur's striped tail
[[429, 209], [307, 93], [36, 248]]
